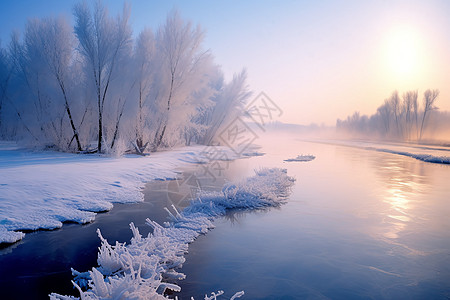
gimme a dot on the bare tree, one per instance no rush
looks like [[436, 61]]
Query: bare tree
[[102, 39], [394, 102], [429, 98], [415, 105], [385, 113], [409, 106]]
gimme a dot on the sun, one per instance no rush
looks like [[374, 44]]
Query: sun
[[403, 53]]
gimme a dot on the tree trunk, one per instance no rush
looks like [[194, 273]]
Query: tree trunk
[[72, 124], [159, 140], [423, 121], [100, 132]]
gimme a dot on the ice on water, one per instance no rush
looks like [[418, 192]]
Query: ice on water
[[302, 157]]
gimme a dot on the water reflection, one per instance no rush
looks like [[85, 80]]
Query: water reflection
[[404, 184], [360, 224]]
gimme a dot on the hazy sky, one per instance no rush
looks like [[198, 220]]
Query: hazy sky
[[318, 60]]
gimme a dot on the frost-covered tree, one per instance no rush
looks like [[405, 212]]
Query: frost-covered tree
[[102, 39], [5, 76], [145, 72], [183, 66], [229, 103], [49, 45], [67, 88], [19, 95]]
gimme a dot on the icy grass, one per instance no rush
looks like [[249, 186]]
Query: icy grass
[[148, 266], [41, 190]]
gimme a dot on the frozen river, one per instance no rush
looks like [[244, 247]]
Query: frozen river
[[359, 224]]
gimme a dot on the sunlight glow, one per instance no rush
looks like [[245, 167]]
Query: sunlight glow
[[403, 53]]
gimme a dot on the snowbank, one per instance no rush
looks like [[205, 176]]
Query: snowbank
[[426, 153], [41, 190], [301, 158], [143, 268], [423, 157]]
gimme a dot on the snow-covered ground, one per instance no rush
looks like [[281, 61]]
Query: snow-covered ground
[[41, 190], [143, 268]]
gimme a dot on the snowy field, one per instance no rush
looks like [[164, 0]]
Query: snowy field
[[41, 190]]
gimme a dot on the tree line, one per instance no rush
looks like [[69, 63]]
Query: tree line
[[399, 117], [94, 87]]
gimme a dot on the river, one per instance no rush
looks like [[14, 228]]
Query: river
[[359, 224]]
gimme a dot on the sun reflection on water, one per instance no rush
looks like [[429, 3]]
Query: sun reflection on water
[[403, 182]]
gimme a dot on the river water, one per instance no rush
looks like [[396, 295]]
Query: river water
[[359, 224]]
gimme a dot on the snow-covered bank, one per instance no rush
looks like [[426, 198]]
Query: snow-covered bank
[[41, 190], [143, 268], [423, 157], [431, 154]]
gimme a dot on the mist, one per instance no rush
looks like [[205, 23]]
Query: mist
[[401, 118]]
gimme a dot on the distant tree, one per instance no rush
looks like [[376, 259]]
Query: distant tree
[[394, 102], [385, 113], [415, 104], [429, 98], [397, 119], [102, 39], [409, 107]]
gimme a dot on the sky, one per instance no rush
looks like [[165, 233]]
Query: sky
[[317, 60]]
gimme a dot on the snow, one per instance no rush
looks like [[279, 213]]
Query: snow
[[10, 236], [423, 157], [301, 158], [427, 153], [142, 269], [41, 190]]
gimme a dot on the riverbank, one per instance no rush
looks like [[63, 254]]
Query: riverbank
[[44, 189]]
